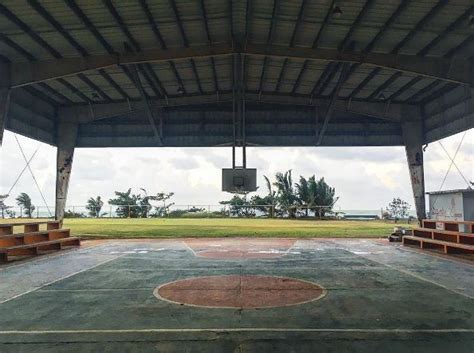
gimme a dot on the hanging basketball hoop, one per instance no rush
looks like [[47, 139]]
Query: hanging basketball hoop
[[239, 179]]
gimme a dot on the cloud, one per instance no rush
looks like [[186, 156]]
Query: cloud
[[183, 163], [364, 177]]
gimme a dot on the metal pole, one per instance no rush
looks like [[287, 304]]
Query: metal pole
[[242, 96]]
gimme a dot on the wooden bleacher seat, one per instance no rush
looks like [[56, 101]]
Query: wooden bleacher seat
[[445, 235], [33, 241]]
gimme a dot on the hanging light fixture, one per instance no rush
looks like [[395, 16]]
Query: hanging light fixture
[[180, 90], [336, 12]]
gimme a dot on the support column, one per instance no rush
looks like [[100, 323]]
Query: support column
[[413, 138], [66, 142], [4, 97]]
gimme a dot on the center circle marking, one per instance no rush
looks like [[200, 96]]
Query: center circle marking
[[235, 291]]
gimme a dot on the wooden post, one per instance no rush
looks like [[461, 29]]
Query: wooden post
[[4, 97], [413, 138], [66, 142]]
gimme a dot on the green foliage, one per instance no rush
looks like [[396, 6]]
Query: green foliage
[[24, 201], [239, 207], [4, 209], [397, 209], [286, 195], [139, 206], [128, 204], [94, 206], [310, 194], [73, 214]]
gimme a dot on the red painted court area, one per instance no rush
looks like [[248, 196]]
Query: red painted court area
[[240, 291], [240, 248]]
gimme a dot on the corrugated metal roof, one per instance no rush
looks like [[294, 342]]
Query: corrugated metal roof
[[279, 73]]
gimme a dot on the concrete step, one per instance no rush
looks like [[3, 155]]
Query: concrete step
[[36, 248], [446, 246]]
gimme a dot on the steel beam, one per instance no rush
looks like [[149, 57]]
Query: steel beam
[[447, 69], [148, 108], [330, 108], [4, 97], [383, 111], [66, 142], [413, 138]]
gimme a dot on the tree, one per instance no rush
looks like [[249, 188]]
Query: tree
[[138, 205], [94, 206], [306, 190], [270, 198], [163, 197], [73, 214], [325, 197], [398, 209], [316, 193], [127, 204], [286, 195], [238, 206], [4, 209], [24, 201]]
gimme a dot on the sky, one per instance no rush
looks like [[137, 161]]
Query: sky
[[365, 178]]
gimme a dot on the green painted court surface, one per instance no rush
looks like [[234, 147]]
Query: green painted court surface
[[380, 298]]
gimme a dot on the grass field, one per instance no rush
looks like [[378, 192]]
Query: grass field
[[220, 227], [181, 227]]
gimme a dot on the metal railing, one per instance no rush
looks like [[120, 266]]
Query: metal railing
[[178, 211]]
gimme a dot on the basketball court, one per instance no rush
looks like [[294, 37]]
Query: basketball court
[[237, 295]]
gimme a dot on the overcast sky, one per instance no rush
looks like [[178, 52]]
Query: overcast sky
[[364, 178]]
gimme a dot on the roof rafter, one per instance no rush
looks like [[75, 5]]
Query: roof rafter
[[330, 108], [36, 37], [393, 112], [447, 69], [315, 45], [209, 40], [426, 49], [53, 22], [145, 69], [377, 37], [292, 42], [409, 36], [186, 45], [90, 26], [332, 68], [268, 41], [57, 26]]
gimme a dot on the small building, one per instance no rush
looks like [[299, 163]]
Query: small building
[[452, 205]]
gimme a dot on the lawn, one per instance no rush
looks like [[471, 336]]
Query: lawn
[[182, 227]]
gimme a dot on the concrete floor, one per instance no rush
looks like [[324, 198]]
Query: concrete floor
[[378, 297]]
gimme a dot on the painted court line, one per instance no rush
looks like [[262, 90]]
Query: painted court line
[[57, 280], [239, 329], [65, 252], [420, 278], [188, 247]]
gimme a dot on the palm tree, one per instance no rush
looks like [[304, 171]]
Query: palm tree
[[286, 195], [94, 205], [304, 191], [24, 201], [4, 209], [270, 197], [161, 196], [325, 196]]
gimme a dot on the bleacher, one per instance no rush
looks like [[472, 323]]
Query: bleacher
[[452, 237], [33, 240]]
